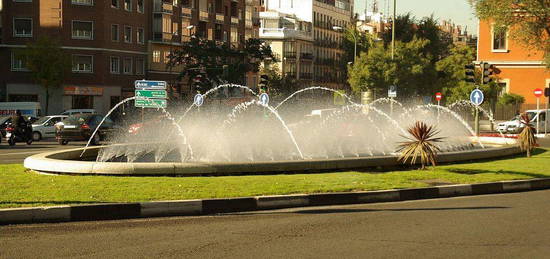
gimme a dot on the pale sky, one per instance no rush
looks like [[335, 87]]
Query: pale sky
[[459, 11]]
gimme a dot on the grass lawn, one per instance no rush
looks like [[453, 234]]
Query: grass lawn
[[21, 188]]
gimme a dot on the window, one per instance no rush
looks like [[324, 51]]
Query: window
[[140, 8], [82, 63], [18, 62], [22, 27], [140, 36], [114, 32], [499, 39], [166, 57], [127, 66], [128, 5], [83, 30], [115, 65], [156, 56], [127, 34], [82, 2], [140, 66], [114, 4]]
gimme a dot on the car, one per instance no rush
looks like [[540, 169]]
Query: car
[[77, 111], [81, 127], [514, 125], [45, 126]]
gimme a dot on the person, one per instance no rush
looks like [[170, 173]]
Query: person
[[19, 123]]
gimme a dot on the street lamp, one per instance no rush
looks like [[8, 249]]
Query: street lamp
[[338, 28], [393, 31]]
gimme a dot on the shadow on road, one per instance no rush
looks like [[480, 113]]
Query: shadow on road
[[326, 211], [481, 171]]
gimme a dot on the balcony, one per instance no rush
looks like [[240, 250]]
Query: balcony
[[306, 56], [234, 20], [283, 33], [162, 7], [290, 74], [306, 76], [289, 54], [220, 18], [203, 16], [186, 12]]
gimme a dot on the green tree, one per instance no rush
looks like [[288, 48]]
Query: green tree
[[511, 99], [452, 75], [411, 70], [528, 20], [279, 85], [48, 64]]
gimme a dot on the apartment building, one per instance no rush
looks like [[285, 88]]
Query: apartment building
[[522, 69], [313, 29], [175, 22], [106, 41]]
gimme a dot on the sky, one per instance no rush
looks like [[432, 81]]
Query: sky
[[459, 11]]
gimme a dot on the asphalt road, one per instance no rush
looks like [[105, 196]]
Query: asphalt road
[[491, 226], [16, 154]]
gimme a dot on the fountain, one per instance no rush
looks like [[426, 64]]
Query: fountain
[[254, 137]]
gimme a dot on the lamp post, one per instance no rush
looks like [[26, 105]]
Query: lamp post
[[338, 28], [172, 81], [393, 31]]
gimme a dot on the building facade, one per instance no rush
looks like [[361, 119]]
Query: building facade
[[106, 41], [521, 69], [308, 36]]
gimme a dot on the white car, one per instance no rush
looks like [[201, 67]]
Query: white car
[[45, 126], [515, 126], [77, 111]]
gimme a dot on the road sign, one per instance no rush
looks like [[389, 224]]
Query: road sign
[[146, 84], [476, 97], [538, 92], [392, 91], [151, 93], [264, 99], [198, 100], [438, 96], [151, 103]]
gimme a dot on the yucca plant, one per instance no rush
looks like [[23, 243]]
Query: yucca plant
[[526, 138], [422, 144]]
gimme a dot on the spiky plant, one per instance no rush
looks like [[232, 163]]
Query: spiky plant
[[422, 144], [526, 138]]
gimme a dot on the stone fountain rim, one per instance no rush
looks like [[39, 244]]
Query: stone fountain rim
[[57, 162]]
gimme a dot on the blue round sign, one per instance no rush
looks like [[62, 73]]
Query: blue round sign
[[198, 100], [476, 97], [264, 99]]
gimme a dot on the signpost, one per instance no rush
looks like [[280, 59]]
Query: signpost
[[264, 99], [151, 103], [198, 100], [147, 84], [546, 119], [438, 97], [152, 93], [392, 93], [476, 98], [538, 93]]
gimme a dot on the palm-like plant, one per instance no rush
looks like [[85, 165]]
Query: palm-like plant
[[526, 138], [422, 144]]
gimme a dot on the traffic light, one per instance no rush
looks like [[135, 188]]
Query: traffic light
[[486, 72], [547, 92], [197, 82], [263, 83], [470, 73]]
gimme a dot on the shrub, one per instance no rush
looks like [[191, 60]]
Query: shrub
[[422, 144]]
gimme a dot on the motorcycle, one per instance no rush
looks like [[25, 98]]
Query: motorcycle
[[25, 134]]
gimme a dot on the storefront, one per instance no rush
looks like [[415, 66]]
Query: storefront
[[90, 97]]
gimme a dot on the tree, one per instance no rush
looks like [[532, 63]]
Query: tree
[[410, 70], [48, 64], [511, 99], [279, 85], [212, 58], [528, 21]]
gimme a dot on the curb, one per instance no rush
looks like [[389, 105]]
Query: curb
[[110, 211]]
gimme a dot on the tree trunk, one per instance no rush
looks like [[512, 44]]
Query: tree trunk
[[529, 152], [47, 100]]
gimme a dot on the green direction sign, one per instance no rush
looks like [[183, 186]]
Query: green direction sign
[[151, 103], [151, 93]]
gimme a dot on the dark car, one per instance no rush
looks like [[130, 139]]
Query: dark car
[[81, 127]]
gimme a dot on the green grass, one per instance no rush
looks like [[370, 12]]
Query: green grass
[[21, 188]]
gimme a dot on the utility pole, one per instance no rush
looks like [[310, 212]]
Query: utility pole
[[393, 31]]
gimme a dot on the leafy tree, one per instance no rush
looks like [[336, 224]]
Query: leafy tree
[[405, 29], [511, 99], [411, 70], [528, 20], [219, 61], [452, 76], [279, 84], [48, 64]]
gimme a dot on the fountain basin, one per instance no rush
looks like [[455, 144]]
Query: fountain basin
[[70, 162]]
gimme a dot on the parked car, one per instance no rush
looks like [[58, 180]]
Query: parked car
[[514, 125], [77, 111], [81, 127], [45, 126]]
